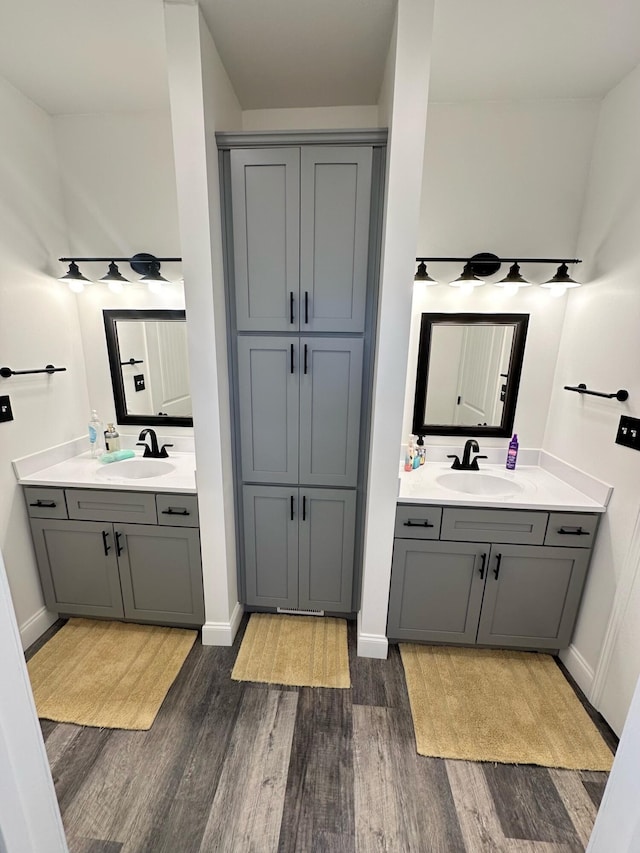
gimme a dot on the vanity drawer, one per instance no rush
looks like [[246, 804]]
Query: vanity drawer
[[177, 510], [93, 505], [417, 521], [571, 529], [45, 503], [512, 526]]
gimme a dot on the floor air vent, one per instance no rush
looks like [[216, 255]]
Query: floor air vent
[[301, 612]]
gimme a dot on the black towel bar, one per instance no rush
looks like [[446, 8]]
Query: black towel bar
[[620, 395], [6, 372]]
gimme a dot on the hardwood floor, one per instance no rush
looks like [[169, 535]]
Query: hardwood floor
[[230, 767]]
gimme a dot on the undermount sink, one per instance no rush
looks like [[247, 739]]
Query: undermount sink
[[135, 469], [477, 483]]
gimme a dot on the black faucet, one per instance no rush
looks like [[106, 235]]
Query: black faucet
[[467, 464], [153, 451]]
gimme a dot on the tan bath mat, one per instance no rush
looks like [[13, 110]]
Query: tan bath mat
[[113, 675], [496, 705], [306, 651]]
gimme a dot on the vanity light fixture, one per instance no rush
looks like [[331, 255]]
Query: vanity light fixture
[[114, 278], [484, 264], [146, 265], [73, 277]]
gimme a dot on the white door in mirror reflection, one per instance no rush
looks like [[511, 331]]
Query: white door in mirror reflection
[[468, 367], [165, 368]]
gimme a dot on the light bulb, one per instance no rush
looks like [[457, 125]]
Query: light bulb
[[155, 286], [467, 287], [116, 286], [557, 291], [76, 286], [511, 289]]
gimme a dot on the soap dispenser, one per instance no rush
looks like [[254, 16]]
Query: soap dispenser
[[112, 438]]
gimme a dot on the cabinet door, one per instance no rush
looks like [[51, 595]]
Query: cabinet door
[[78, 567], [327, 519], [330, 392], [161, 573], [265, 189], [335, 194], [532, 596], [271, 545], [268, 384], [436, 590]]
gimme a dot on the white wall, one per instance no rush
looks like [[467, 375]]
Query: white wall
[[601, 347], [508, 178], [119, 190], [409, 83], [38, 325], [29, 814], [202, 101], [312, 118]]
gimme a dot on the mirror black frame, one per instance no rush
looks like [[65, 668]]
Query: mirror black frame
[[115, 358], [504, 430]]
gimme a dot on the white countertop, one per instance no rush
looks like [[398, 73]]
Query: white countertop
[[540, 490], [83, 472]]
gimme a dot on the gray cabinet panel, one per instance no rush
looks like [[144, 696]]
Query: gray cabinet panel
[[77, 576], [161, 573], [266, 206], [271, 545], [571, 530], [45, 503], [532, 596], [493, 525], [335, 194], [104, 505], [418, 522], [177, 510], [269, 402], [436, 591], [330, 396], [327, 520]]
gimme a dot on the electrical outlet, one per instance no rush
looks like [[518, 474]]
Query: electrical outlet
[[5, 409], [629, 432], [138, 382]]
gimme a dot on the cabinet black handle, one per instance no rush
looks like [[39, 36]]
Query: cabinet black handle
[[306, 306], [176, 510], [305, 357], [48, 504], [291, 507], [410, 523], [291, 358], [483, 566], [291, 306], [119, 548], [106, 547], [496, 571], [304, 508], [573, 531]]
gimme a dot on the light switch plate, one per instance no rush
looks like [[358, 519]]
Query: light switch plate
[[138, 382], [5, 409], [629, 432]]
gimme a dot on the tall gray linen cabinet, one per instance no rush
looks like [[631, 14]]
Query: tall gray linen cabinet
[[301, 234]]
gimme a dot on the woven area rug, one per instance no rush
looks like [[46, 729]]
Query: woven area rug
[[495, 705], [113, 675], [305, 651]]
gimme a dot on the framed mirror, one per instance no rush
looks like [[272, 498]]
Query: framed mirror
[[149, 367], [468, 375]]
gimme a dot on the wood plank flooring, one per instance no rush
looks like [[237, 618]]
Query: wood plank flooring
[[230, 767]]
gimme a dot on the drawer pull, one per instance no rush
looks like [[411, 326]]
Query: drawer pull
[[410, 523], [496, 571], [176, 510], [483, 566], [106, 547], [291, 306], [573, 531], [47, 504]]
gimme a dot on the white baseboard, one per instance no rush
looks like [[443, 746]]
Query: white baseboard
[[35, 626], [579, 669], [222, 633]]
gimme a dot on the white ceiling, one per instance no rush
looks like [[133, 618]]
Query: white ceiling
[[79, 56]]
